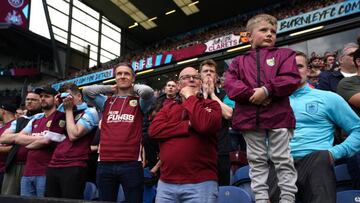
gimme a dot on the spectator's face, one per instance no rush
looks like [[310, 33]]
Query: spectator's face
[[302, 67], [47, 101], [124, 77], [357, 63], [347, 60], [330, 60], [32, 102], [19, 113], [316, 63], [208, 71], [170, 89], [77, 99], [189, 77], [263, 35], [2, 112]]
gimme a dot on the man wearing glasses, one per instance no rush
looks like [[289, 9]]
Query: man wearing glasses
[[328, 80], [17, 156], [187, 135]]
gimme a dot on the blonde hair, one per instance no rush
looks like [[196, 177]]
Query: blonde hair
[[259, 18]]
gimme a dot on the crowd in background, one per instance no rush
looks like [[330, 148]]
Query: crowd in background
[[234, 25]]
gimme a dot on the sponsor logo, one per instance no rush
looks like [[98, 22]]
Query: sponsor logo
[[115, 116], [270, 62], [16, 3], [43, 133]]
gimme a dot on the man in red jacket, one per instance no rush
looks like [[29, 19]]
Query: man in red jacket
[[186, 132]]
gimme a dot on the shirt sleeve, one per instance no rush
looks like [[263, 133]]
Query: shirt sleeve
[[229, 102], [343, 116], [347, 88], [13, 126], [235, 88], [89, 119], [288, 78]]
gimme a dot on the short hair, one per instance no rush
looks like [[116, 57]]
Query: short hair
[[171, 79], [346, 47], [208, 62], [258, 18], [299, 53], [70, 86], [356, 56], [327, 56], [126, 65]]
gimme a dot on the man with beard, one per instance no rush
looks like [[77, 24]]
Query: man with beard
[[34, 138], [17, 156]]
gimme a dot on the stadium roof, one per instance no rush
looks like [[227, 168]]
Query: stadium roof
[[209, 11]]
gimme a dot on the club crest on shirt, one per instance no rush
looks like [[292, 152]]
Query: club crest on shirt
[[133, 102], [270, 62], [62, 123], [312, 107], [48, 124], [77, 117]]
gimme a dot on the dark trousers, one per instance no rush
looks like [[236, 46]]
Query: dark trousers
[[66, 182], [316, 179], [1, 179], [223, 167], [129, 174]]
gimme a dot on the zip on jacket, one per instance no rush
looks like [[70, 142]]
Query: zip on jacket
[[258, 85]]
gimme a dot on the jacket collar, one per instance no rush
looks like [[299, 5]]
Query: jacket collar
[[301, 91], [253, 50]]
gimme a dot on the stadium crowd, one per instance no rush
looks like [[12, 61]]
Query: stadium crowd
[[234, 25], [286, 105]]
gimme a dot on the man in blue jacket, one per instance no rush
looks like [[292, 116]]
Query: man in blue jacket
[[317, 113]]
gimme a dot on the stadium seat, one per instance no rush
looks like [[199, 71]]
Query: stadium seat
[[232, 194], [343, 179], [90, 192], [348, 196], [242, 175]]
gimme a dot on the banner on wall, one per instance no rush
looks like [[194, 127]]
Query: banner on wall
[[168, 57], [222, 43], [318, 16], [15, 12], [87, 79]]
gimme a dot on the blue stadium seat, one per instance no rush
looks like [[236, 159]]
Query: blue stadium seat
[[91, 192], [343, 179], [349, 196], [242, 175], [242, 180], [232, 194]]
